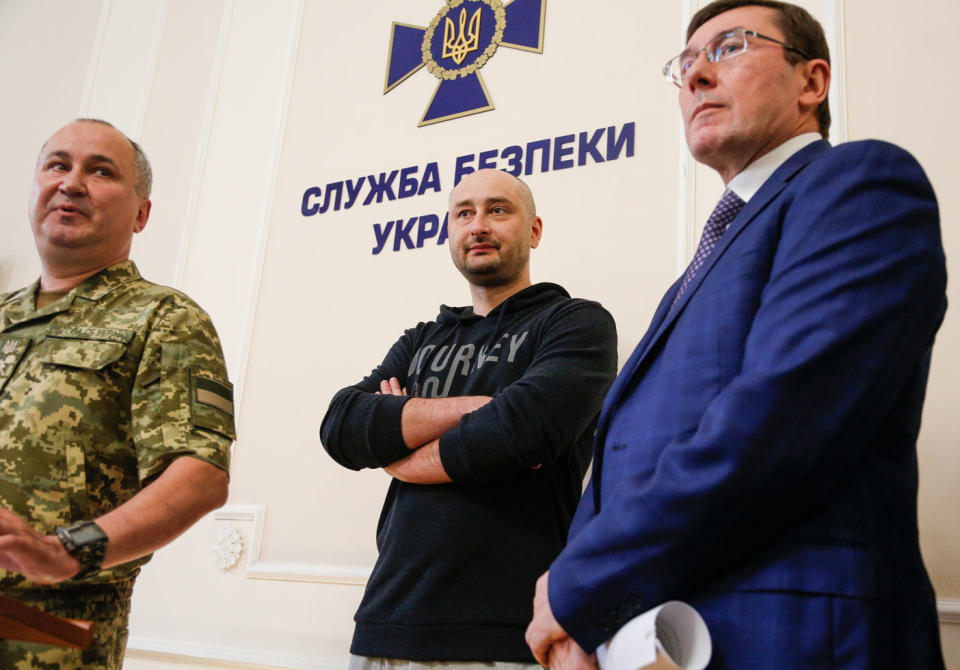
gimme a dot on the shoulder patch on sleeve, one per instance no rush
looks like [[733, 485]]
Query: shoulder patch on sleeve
[[214, 394]]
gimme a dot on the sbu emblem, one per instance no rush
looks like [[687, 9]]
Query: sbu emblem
[[459, 41]]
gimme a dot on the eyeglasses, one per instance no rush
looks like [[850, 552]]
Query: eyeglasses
[[722, 47]]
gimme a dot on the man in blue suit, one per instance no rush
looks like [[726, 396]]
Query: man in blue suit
[[756, 455]]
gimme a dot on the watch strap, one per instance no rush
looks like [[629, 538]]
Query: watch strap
[[86, 542]]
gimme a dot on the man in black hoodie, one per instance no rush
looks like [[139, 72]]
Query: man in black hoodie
[[485, 419]]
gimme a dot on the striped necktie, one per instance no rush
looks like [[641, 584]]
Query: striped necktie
[[721, 217]]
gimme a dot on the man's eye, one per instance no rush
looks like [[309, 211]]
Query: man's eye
[[57, 165], [103, 172], [727, 48], [498, 210]]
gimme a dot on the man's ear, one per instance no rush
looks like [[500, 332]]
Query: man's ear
[[143, 213], [536, 231], [816, 83]]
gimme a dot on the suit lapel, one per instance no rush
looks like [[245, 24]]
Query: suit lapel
[[664, 316]]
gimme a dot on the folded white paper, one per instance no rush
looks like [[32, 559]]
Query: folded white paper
[[674, 629]]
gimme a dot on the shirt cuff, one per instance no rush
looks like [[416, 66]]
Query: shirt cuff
[[386, 441]]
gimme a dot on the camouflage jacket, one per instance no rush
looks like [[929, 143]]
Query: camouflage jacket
[[99, 392]]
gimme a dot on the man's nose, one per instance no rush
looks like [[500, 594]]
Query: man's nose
[[480, 225], [72, 183], [701, 72]]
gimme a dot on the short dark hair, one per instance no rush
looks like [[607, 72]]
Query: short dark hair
[[143, 181], [800, 30]]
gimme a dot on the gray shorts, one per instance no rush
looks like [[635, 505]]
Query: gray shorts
[[377, 663]]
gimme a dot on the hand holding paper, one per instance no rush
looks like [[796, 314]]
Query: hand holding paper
[[672, 636], [544, 630]]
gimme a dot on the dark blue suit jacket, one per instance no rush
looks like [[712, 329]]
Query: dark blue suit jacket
[[756, 455]]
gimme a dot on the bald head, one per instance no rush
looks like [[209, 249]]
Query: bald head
[[503, 179], [525, 195]]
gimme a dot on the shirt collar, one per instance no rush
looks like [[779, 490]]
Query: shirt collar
[[746, 183], [20, 306], [105, 281]]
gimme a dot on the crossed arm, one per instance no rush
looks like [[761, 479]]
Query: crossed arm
[[531, 421], [174, 501], [422, 422]]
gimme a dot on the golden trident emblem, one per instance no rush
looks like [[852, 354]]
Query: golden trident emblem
[[458, 47]]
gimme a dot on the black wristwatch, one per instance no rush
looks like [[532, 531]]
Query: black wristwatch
[[87, 543]]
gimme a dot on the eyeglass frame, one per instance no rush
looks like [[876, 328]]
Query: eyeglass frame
[[716, 58]]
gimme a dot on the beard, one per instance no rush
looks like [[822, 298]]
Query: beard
[[491, 269]]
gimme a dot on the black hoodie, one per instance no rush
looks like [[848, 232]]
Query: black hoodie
[[458, 562]]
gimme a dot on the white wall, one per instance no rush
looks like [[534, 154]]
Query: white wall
[[242, 105]]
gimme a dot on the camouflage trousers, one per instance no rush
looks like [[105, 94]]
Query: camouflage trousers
[[106, 604]]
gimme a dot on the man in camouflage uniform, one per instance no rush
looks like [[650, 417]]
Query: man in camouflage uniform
[[105, 381]]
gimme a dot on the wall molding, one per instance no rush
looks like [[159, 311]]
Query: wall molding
[[948, 610], [273, 178], [687, 182], [255, 568], [94, 66], [203, 150], [137, 131], [154, 649], [834, 27]]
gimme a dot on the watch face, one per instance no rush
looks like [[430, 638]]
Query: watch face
[[86, 534]]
